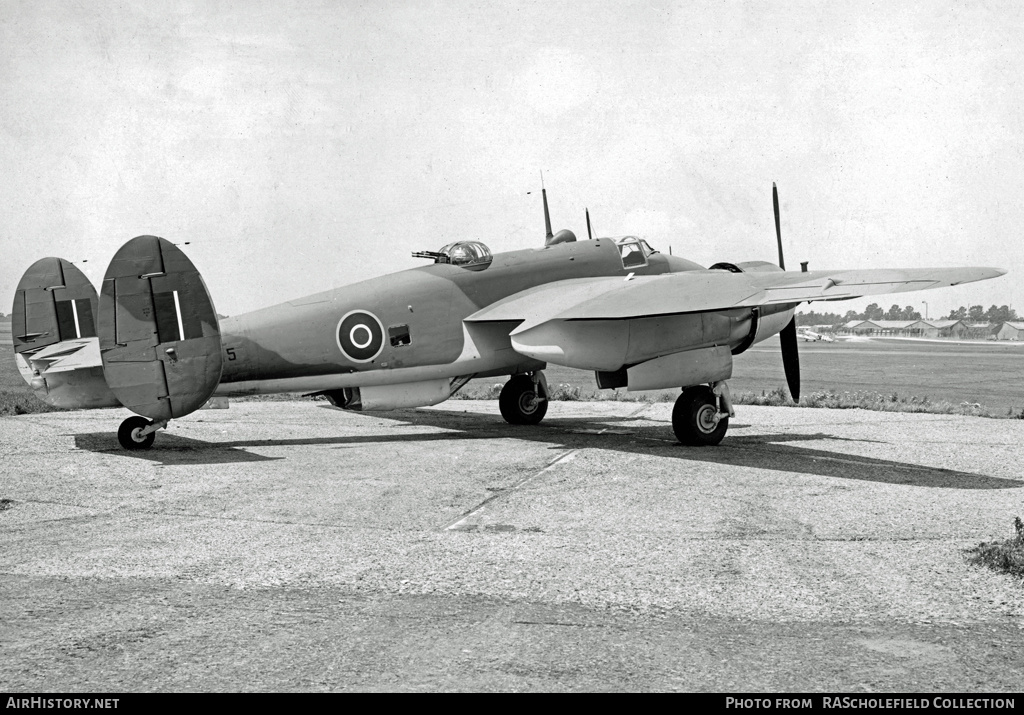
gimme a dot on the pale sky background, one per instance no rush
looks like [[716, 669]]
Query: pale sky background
[[301, 146]]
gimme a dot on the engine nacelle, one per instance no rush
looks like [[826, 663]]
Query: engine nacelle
[[391, 397], [692, 367], [745, 267], [771, 320], [758, 267], [764, 321]]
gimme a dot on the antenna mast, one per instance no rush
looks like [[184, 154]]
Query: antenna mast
[[547, 216]]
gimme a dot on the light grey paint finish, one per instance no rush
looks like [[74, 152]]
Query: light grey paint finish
[[299, 339]]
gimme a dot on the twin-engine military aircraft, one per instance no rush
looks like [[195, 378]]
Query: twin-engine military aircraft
[[152, 342]]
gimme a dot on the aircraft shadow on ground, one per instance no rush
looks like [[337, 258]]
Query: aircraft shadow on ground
[[779, 452], [761, 451], [172, 449]]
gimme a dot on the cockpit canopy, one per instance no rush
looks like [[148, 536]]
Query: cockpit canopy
[[633, 251], [468, 254]]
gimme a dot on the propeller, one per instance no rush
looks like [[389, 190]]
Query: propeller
[[790, 354]]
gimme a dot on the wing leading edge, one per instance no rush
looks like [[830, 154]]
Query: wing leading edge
[[701, 291]]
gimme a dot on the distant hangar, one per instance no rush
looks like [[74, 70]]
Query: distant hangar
[[1011, 331], [934, 329]]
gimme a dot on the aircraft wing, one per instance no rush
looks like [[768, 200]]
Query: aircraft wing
[[615, 298]]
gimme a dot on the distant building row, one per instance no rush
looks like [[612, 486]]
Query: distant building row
[[934, 329]]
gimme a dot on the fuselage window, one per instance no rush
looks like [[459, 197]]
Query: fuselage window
[[399, 335], [631, 253]]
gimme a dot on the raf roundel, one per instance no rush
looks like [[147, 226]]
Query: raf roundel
[[360, 336]]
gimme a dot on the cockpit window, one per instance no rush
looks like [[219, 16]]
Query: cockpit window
[[631, 250]]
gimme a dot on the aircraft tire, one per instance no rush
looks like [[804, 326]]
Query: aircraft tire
[[126, 434], [692, 418], [519, 403]]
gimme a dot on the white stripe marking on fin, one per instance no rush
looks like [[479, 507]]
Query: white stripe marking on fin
[[177, 314]]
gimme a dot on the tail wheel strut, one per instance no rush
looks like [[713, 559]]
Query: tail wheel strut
[[138, 432]]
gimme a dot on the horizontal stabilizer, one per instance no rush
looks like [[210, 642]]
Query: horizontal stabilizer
[[66, 355]]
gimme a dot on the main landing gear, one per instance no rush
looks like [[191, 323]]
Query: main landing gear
[[524, 399], [138, 432], [701, 415]]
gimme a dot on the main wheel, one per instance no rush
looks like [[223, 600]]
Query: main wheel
[[693, 417], [128, 434], [519, 402]]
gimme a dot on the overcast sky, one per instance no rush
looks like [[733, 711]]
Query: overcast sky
[[301, 146]]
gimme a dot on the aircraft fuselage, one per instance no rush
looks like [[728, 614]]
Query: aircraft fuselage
[[297, 345]]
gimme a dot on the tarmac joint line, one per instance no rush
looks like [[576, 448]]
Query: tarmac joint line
[[454, 525]]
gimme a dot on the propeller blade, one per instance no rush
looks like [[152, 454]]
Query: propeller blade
[[778, 230], [791, 359], [787, 337], [590, 234]]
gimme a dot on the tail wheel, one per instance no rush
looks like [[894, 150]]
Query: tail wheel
[[520, 403], [695, 418], [128, 434]]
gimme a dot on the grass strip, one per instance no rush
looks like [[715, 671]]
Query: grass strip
[[1003, 556]]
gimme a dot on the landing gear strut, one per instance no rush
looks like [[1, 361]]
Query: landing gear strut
[[701, 415], [524, 399], [138, 432]]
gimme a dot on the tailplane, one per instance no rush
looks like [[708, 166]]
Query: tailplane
[[150, 341], [53, 325]]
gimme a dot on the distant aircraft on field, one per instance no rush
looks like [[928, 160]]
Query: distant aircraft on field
[[808, 335], [151, 341]]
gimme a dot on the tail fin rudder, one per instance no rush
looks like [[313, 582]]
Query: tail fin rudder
[[54, 302], [53, 329], [158, 330]]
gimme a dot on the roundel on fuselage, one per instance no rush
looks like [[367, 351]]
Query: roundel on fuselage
[[360, 336]]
